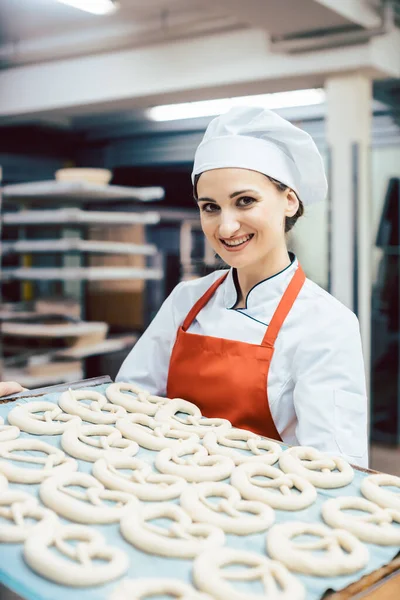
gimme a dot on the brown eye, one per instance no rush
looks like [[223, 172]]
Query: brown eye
[[209, 207], [245, 201]]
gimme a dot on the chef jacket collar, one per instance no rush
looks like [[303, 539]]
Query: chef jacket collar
[[272, 286]]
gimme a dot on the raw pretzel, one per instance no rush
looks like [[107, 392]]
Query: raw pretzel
[[87, 506], [99, 411], [371, 489], [144, 589], [77, 569], [374, 526], [262, 490], [152, 434], [15, 506], [210, 576], [231, 441], [52, 421], [317, 467], [193, 422], [144, 402], [344, 553], [3, 483], [80, 442], [199, 467], [230, 512], [8, 432], [144, 483], [55, 461], [183, 539]]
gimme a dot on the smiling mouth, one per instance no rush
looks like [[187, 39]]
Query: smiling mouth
[[238, 242]]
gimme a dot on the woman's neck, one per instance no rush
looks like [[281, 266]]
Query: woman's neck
[[248, 277]]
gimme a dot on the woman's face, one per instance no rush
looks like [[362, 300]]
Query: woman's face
[[243, 215]]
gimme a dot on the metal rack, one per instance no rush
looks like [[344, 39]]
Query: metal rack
[[30, 206]]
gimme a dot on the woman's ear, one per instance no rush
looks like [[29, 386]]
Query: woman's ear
[[292, 203]]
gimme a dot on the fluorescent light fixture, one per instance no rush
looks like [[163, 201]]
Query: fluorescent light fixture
[[208, 108], [96, 7]]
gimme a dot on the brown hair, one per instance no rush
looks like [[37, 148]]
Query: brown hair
[[289, 221]]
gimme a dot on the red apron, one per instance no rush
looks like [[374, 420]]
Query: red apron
[[227, 378]]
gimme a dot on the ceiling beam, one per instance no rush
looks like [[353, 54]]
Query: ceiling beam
[[357, 11], [239, 63]]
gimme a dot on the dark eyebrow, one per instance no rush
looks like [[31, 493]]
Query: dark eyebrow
[[233, 195]]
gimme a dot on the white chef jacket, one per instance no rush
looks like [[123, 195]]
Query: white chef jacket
[[316, 383]]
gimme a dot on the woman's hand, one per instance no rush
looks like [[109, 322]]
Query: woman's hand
[[10, 387]]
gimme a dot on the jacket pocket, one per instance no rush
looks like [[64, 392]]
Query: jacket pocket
[[351, 429]]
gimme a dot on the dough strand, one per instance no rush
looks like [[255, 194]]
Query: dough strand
[[99, 411], [371, 488], [319, 469], [80, 442], [193, 463], [41, 418]]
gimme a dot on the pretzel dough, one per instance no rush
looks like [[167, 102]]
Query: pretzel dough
[[55, 461], [193, 422], [152, 434], [183, 539], [199, 467], [84, 507], [15, 506], [77, 569], [262, 490], [142, 402], [317, 467], [3, 483], [52, 421], [144, 589], [7, 432], [229, 442], [374, 527], [344, 553], [99, 412], [230, 512], [142, 481], [371, 489], [81, 442], [210, 576]]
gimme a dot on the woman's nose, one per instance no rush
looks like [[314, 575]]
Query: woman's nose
[[228, 226]]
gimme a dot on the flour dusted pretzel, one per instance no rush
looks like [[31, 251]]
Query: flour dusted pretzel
[[78, 568], [152, 434], [141, 481], [193, 421], [99, 411], [210, 576], [16, 506], [54, 462], [230, 513], [371, 488], [8, 432], [192, 462], [144, 589], [41, 418], [375, 526], [274, 480], [230, 442], [91, 442], [320, 470], [342, 552], [183, 539], [141, 401], [89, 506]]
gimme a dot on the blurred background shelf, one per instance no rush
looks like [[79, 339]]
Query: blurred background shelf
[[77, 245], [81, 274], [76, 216], [53, 192]]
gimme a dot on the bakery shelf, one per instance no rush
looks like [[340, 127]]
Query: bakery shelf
[[80, 273], [77, 216], [77, 245], [59, 191]]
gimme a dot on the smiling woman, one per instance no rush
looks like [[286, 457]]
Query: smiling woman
[[259, 344]]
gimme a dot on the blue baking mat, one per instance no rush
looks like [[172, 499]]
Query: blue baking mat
[[15, 575]]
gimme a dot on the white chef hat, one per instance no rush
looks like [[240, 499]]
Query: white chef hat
[[258, 139]]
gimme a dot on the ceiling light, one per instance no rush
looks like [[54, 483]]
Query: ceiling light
[[96, 7], [208, 108]]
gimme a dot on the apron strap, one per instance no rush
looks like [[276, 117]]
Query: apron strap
[[196, 308], [284, 307]]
